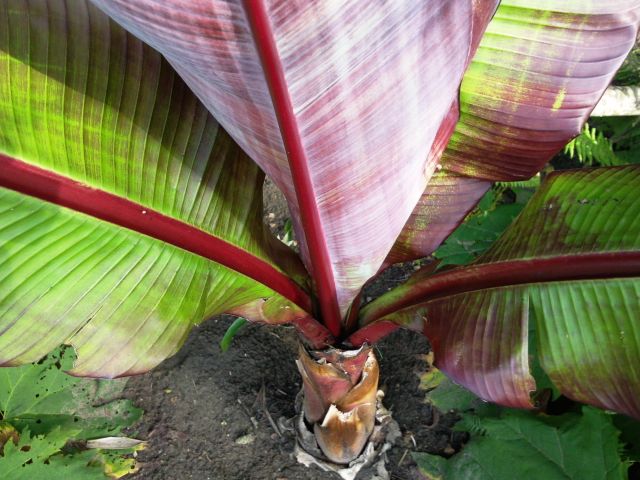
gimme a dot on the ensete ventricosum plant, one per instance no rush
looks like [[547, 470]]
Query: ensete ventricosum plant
[[134, 136]]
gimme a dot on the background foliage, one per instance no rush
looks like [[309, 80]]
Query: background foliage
[[580, 443], [48, 419], [562, 439]]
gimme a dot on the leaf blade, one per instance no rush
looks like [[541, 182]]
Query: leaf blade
[[111, 130], [353, 74], [574, 267], [538, 72], [540, 67], [537, 446]]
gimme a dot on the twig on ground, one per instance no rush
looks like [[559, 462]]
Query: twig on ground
[[262, 399], [252, 419], [403, 456]]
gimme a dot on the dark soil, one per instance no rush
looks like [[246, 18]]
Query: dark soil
[[207, 413], [204, 418]]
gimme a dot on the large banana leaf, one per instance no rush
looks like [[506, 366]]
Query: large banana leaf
[[539, 70], [538, 73], [570, 264], [343, 105], [444, 204], [339, 102], [97, 123]]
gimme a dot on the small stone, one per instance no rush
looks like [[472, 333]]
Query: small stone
[[246, 439]]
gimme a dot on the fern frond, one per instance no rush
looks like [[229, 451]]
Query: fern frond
[[591, 147]]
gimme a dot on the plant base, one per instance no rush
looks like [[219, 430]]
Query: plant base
[[373, 457]]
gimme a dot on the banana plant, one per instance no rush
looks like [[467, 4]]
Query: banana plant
[[134, 140]]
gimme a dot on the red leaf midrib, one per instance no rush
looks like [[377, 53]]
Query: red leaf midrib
[[63, 191], [587, 266], [315, 237]]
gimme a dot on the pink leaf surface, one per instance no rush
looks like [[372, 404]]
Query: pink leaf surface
[[538, 72], [448, 199], [368, 85], [490, 358]]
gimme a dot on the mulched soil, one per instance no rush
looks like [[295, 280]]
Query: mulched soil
[[207, 412]]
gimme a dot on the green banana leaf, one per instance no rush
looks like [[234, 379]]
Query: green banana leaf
[[570, 263], [93, 119]]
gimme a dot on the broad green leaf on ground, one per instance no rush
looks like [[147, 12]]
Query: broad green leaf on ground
[[52, 411], [446, 395], [630, 435], [352, 94], [98, 122], [570, 264], [38, 457], [36, 389], [538, 72], [41, 397], [518, 444]]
